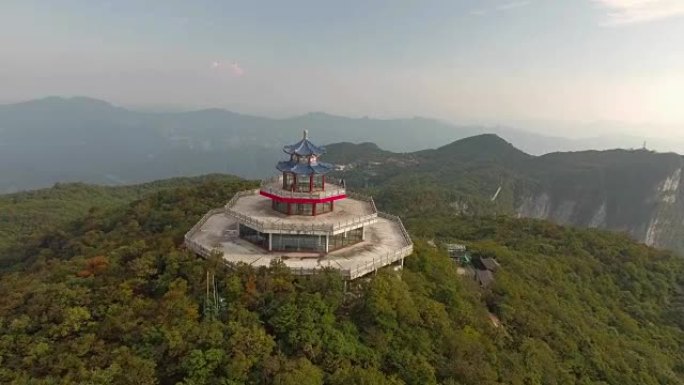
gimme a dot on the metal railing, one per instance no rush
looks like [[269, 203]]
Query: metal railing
[[194, 245], [200, 249], [365, 198], [349, 274], [201, 222], [303, 228], [280, 227], [390, 257], [396, 219], [377, 263], [274, 186]]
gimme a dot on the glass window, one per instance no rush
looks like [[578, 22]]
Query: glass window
[[254, 236], [291, 242], [304, 209], [318, 182], [345, 239], [322, 208], [303, 183], [288, 180], [279, 206]]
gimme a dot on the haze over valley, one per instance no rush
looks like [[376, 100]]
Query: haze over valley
[[216, 192], [57, 139]]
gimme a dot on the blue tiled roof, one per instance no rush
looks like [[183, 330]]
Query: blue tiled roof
[[304, 148], [304, 168]]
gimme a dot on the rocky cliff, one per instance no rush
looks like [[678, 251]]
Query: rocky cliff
[[638, 192]]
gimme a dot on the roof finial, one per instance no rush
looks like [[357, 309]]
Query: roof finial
[[306, 134]]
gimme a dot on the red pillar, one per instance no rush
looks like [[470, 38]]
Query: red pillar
[[323, 182], [313, 209]]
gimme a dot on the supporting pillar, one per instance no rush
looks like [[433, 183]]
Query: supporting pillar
[[313, 209], [327, 243], [323, 182], [270, 242], [363, 233], [289, 208], [311, 182]]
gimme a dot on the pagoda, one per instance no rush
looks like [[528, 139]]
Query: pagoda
[[304, 221], [302, 191]]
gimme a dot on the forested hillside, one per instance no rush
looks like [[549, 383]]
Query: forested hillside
[[32, 213], [114, 298], [634, 191]]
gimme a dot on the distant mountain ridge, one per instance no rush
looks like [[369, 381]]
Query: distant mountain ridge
[[59, 139], [634, 191], [81, 139]]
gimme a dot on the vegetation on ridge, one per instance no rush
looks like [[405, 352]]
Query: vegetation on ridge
[[32, 213], [636, 191], [115, 299]]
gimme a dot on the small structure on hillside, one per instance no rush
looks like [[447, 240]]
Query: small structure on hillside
[[458, 252], [485, 268], [455, 250], [490, 264], [304, 221], [480, 269]]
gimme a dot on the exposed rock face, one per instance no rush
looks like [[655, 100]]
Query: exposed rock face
[[599, 218], [654, 215], [535, 206], [664, 228], [637, 192]]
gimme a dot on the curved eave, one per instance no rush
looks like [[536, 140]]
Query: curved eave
[[304, 148], [304, 169]]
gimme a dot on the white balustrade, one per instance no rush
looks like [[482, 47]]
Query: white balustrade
[[351, 273]]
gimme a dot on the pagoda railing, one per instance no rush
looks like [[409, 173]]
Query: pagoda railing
[[201, 249], [387, 259], [280, 227], [194, 245], [274, 186], [266, 226], [377, 263], [365, 198], [396, 219], [348, 273]]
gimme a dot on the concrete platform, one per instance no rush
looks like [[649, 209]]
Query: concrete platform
[[274, 186], [255, 210], [386, 242]]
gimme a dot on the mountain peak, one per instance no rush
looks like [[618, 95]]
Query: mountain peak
[[490, 143], [65, 103], [487, 140]]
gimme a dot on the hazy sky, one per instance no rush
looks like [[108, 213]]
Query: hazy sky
[[493, 61]]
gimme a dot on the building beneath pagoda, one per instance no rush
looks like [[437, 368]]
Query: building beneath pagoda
[[303, 220]]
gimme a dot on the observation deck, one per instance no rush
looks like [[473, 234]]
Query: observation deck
[[255, 211], [304, 221], [273, 188]]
